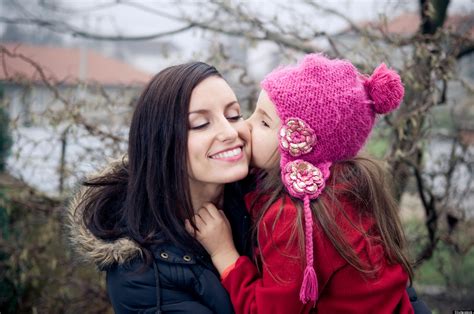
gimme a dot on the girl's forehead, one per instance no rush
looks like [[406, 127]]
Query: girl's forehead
[[265, 105]]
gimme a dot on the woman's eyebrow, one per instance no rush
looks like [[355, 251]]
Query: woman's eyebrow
[[264, 113], [231, 103], [202, 111]]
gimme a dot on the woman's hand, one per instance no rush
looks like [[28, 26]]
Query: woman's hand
[[215, 235]]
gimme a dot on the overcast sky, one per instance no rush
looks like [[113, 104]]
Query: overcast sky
[[129, 20], [109, 18]]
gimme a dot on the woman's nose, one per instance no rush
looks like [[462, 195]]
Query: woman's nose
[[226, 131]]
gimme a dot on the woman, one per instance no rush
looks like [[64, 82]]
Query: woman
[[187, 140]]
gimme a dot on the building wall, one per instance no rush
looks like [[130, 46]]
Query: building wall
[[36, 105]]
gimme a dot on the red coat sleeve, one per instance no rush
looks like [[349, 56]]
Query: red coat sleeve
[[276, 288]]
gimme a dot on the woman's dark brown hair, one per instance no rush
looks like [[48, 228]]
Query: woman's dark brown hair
[[148, 198], [362, 181]]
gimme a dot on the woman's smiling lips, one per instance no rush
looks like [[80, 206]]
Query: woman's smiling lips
[[231, 154]]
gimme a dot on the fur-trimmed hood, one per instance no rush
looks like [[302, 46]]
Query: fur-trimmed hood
[[89, 247]]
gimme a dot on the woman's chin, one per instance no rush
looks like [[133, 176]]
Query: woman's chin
[[238, 175]]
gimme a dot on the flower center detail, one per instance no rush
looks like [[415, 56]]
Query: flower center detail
[[296, 137], [301, 177]]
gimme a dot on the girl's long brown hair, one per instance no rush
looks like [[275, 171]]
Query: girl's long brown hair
[[364, 182]]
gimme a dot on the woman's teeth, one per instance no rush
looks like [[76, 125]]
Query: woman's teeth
[[228, 154]]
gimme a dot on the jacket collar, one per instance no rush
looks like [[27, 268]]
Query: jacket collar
[[89, 247], [104, 254]]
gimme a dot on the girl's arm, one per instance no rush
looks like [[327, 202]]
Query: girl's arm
[[275, 289]]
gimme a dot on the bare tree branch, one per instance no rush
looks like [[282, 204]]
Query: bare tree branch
[[61, 27]]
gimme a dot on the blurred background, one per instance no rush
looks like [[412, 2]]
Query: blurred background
[[71, 70]]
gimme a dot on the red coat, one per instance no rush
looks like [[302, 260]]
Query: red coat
[[342, 289]]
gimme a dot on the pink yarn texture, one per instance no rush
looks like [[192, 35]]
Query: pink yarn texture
[[328, 110], [309, 286], [385, 89]]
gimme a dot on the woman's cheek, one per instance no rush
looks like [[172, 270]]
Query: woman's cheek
[[246, 133]]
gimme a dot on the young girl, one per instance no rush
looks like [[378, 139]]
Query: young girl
[[326, 226]]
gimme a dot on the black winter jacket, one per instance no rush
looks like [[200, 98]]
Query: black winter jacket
[[187, 284]]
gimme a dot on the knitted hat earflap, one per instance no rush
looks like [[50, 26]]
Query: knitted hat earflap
[[304, 181]]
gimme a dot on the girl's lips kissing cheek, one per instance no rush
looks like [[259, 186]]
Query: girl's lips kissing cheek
[[232, 154]]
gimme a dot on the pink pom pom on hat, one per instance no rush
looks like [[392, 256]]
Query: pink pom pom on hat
[[385, 89], [327, 110]]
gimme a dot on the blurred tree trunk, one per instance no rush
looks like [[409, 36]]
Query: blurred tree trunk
[[433, 14], [420, 97]]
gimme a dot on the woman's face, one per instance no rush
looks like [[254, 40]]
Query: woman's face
[[218, 138], [264, 123]]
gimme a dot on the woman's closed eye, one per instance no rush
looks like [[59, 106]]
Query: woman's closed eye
[[204, 125], [235, 118], [200, 126], [265, 124]]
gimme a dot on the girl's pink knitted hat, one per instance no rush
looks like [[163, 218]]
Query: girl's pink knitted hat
[[327, 110]]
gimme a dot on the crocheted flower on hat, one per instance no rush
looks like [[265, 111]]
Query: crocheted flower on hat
[[302, 178], [296, 137]]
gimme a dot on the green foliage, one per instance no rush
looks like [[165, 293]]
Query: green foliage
[[7, 289], [448, 267], [39, 272], [450, 270], [377, 147], [442, 118], [378, 143], [5, 136]]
